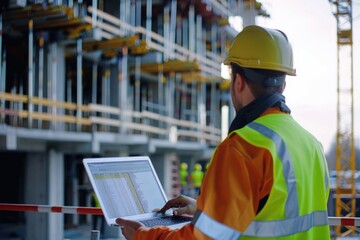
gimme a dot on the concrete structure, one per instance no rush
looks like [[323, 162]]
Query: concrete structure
[[106, 78]]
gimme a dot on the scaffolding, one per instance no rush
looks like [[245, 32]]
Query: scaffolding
[[345, 149], [102, 78]]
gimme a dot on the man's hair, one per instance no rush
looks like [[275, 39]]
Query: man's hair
[[258, 86]]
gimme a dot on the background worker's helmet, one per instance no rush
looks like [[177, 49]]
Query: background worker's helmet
[[261, 48], [183, 166], [197, 167]]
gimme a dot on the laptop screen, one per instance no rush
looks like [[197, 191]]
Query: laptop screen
[[127, 187]]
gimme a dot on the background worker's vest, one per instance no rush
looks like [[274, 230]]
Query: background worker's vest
[[197, 177], [298, 199], [183, 177], [96, 201]]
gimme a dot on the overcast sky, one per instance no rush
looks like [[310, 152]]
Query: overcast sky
[[311, 29]]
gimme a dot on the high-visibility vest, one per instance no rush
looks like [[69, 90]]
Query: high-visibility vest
[[197, 177], [296, 208], [183, 177], [96, 200]]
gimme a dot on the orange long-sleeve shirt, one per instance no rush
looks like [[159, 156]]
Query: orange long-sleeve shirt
[[239, 176]]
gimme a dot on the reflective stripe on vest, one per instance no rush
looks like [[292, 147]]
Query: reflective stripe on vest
[[292, 224], [280, 228], [292, 204], [213, 228]]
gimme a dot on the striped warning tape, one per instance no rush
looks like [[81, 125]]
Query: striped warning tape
[[47, 208], [344, 221], [333, 221]]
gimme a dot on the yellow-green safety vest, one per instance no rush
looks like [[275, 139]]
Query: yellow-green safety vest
[[296, 208]]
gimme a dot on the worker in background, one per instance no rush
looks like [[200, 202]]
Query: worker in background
[[268, 179], [97, 219], [197, 176], [184, 174]]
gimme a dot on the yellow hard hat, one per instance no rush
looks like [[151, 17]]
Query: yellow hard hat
[[183, 166], [197, 166], [262, 48]]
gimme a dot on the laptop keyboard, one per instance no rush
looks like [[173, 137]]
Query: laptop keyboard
[[165, 220]]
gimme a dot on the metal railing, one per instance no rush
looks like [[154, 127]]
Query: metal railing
[[46, 114]]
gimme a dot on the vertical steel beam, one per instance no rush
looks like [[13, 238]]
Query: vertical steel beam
[[172, 28], [137, 84], [41, 74], [194, 102], [79, 89], [123, 16], [214, 40], [94, 82], [166, 30], [53, 78], [192, 29], [184, 99], [199, 35], [148, 19], [186, 31], [94, 13], [138, 13], [123, 85], [201, 108], [30, 72]]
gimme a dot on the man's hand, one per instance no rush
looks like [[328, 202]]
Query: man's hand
[[128, 227], [184, 205]]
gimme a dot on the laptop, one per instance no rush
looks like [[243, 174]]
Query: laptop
[[128, 187]]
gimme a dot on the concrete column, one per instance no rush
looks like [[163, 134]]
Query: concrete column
[[44, 185], [171, 175], [36, 193], [56, 193]]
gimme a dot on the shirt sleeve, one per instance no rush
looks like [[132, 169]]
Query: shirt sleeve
[[239, 176], [164, 233]]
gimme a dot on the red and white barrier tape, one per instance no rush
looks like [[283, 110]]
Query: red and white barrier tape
[[333, 221], [47, 208], [344, 221]]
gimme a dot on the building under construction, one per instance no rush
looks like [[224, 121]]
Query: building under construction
[[106, 78]]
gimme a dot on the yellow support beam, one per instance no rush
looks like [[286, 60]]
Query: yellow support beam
[[111, 44], [37, 11], [139, 49], [47, 18], [171, 66], [198, 77]]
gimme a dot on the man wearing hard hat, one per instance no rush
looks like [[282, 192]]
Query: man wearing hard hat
[[268, 179], [197, 176], [184, 175]]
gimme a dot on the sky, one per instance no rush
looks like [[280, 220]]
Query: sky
[[312, 94]]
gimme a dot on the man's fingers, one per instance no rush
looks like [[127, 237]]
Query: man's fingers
[[181, 211], [126, 223], [120, 221], [170, 204]]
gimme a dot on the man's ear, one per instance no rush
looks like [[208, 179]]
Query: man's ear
[[239, 82]]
